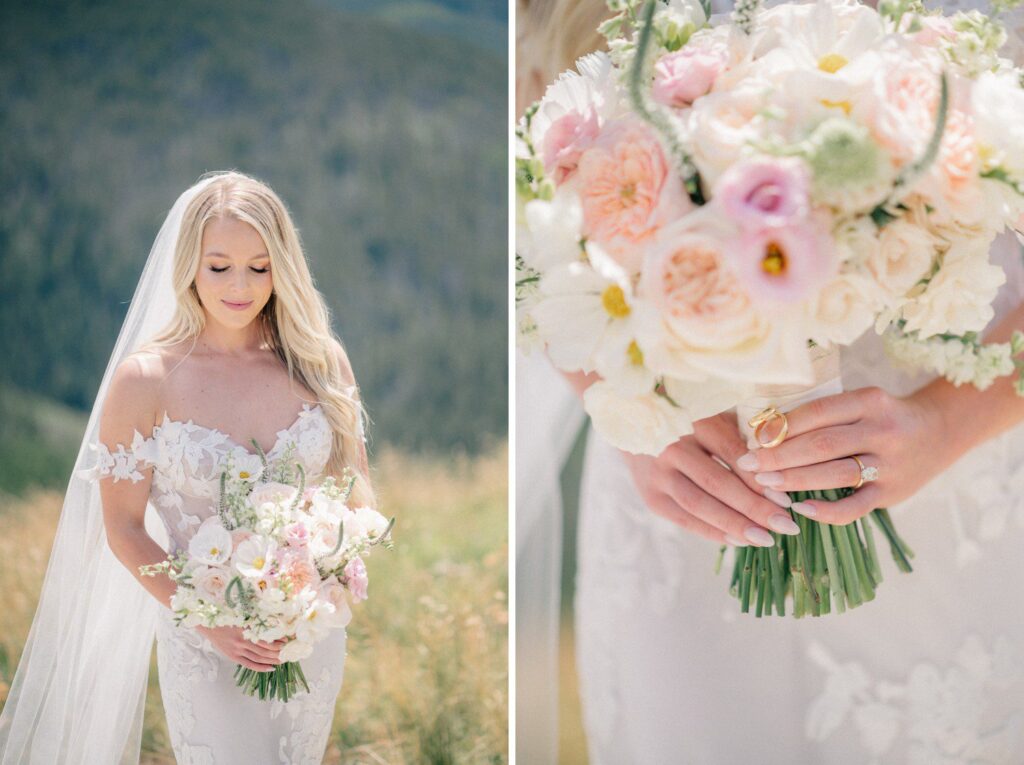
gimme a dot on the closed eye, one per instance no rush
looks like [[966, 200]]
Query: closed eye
[[225, 268]]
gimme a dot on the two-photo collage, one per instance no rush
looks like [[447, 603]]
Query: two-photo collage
[[552, 382]]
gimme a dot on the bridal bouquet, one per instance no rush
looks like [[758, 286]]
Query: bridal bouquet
[[705, 207], [280, 561]]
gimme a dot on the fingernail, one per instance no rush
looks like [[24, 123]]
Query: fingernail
[[759, 536], [804, 509], [783, 524], [734, 541], [780, 498], [768, 479], [747, 462]]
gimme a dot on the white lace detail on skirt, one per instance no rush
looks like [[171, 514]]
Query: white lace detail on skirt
[[958, 712]]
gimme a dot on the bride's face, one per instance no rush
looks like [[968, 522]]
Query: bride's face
[[234, 280]]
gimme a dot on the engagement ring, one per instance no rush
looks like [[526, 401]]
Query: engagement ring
[[866, 473]]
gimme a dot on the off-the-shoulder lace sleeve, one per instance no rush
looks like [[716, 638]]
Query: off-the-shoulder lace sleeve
[[121, 463]]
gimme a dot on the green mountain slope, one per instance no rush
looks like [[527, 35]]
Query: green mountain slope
[[388, 145]]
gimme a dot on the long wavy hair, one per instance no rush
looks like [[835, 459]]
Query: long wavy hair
[[295, 322], [550, 36]]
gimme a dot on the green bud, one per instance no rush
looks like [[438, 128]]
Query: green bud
[[842, 153]]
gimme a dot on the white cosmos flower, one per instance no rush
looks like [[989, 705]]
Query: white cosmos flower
[[318, 618], [997, 105], [211, 543], [254, 556], [580, 302], [245, 466], [644, 424], [371, 521], [296, 650]]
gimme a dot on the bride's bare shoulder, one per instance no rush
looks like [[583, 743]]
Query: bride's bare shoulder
[[133, 399]]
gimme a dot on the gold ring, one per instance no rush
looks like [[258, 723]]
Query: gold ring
[[761, 420], [866, 473]]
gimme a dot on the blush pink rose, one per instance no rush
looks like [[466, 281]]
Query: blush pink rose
[[628, 189], [356, 579], [299, 570], [297, 535], [564, 142], [681, 77]]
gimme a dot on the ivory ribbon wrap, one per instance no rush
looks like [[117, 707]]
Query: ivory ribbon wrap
[[785, 398]]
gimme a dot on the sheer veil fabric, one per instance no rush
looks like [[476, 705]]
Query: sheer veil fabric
[[548, 417], [79, 690]]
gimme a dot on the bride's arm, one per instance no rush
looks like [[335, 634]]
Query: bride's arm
[[910, 440], [130, 406]]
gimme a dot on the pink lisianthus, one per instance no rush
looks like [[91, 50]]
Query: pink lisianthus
[[629, 190], [356, 579], [765, 192], [680, 78], [565, 140], [784, 264]]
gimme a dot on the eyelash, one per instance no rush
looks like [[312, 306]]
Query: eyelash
[[222, 270]]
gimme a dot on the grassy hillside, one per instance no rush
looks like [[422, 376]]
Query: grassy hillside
[[387, 143]]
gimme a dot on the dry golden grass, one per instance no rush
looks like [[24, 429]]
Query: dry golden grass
[[426, 676]]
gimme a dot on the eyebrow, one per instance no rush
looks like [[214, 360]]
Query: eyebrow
[[222, 255]]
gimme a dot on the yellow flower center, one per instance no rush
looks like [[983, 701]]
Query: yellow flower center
[[628, 191], [244, 474], [832, 63], [614, 301], [846, 106], [774, 261], [258, 562], [214, 552], [636, 356]]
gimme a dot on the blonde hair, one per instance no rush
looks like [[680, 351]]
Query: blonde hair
[[295, 322], [551, 35]]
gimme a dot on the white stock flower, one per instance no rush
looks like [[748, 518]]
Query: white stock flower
[[211, 543]]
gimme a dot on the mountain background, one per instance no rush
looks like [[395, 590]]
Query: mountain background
[[382, 125]]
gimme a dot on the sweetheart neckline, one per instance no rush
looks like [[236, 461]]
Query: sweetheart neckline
[[306, 409]]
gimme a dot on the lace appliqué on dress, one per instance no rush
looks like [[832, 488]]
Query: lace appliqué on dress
[[965, 711]]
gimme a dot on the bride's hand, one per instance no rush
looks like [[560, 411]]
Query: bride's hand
[[260, 656], [688, 486], [903, 438]]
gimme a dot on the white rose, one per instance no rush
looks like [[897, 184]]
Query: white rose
[[274, 493], [959, 298], [210, 583], [373, 522], [638, 424], [842, 310], [211, 543], [720, 126], [903, 257], [296, 650]]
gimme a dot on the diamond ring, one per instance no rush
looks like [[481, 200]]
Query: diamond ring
[[866, 473]]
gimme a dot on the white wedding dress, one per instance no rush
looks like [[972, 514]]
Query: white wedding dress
[[210, 720], [931, 672]]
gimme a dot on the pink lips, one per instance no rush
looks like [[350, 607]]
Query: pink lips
[[237, 306]]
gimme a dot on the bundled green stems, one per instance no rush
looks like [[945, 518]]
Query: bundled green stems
[[822, 568], [282, 682]]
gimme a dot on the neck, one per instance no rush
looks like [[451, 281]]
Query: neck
[[218, 338]]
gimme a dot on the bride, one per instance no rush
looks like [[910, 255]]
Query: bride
[[226, 342], [671, 672]]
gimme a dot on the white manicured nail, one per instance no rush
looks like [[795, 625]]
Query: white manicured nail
[[747, 462], [783, 524], [780, 498], [734, 541], [804, 509], [759, 536], [768, 479]]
